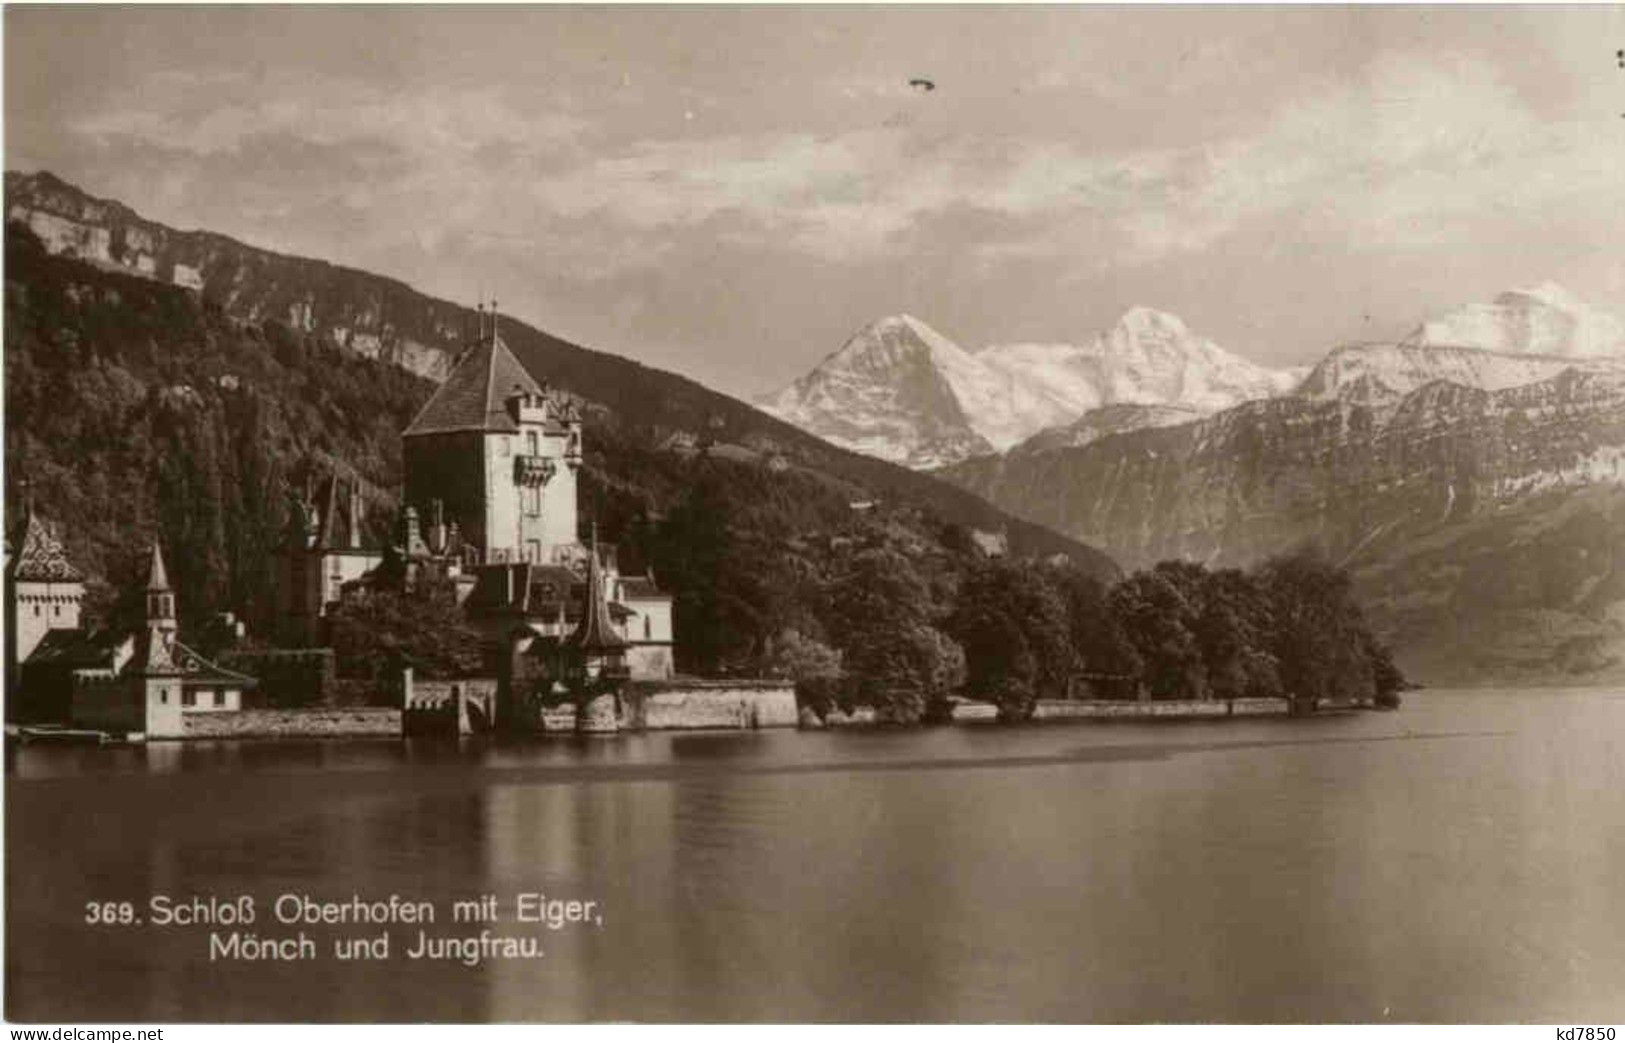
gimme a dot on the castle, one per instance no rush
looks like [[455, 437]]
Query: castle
[[490, 507], [491, 463]]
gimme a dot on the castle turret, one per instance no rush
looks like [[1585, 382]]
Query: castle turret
[[412, 535], [44, 592], [328, 535], [355, 515], [437, 527], [596, 641], [313, 569]]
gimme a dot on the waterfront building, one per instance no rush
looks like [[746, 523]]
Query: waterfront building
[[132, 681]]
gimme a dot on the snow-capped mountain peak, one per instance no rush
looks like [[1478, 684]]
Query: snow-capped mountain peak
[[1540, 320], [1520, 337], [901, 390], [1140, 319], [888, 392]]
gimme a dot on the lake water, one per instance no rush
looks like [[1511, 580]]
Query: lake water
[[1460, 860]]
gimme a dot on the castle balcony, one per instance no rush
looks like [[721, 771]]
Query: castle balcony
[[533, 470]]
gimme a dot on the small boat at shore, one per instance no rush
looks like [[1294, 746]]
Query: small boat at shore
[[57, 733]]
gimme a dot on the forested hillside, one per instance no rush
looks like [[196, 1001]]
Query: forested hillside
[[134, 411]]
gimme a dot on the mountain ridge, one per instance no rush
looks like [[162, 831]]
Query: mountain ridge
[[1475, 522]]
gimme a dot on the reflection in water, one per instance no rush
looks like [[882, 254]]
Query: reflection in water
[[1451, 862]]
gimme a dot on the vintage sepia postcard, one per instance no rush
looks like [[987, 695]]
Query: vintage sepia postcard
[[814, 514]]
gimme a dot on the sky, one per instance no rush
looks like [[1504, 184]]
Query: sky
[[731, 192]]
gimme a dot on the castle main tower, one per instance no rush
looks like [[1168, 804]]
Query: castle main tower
[[501, 455]]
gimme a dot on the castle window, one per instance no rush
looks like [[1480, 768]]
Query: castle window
[[533, 501], [530, 442], [36, 610], [646, 629], [188, 698]]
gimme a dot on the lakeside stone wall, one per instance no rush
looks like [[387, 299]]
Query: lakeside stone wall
[[1057, 710], [732, 705], [742, 704], [361, 721]]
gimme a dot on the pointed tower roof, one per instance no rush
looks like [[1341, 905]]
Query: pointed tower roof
[[473, 396], [329, 534], [40, 557], [157, 576], [596, 632]]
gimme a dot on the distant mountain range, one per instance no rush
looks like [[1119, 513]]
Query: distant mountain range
[[901, 391]]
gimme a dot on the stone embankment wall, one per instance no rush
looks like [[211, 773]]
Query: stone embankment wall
[[678, 705], [293, 724], [713, 704], [1055, 710]]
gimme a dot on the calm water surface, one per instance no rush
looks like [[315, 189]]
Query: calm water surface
[[1460, 860]]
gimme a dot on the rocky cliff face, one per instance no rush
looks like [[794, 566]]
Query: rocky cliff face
[[1486, 528], [1107, 420], [901, 391], [364, 313]]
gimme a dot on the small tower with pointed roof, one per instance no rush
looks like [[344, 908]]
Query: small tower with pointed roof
[[160, 596], [323, 552], [44, 592], [597, 648], [155, 672]]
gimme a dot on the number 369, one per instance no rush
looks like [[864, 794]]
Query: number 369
[[109, 912]]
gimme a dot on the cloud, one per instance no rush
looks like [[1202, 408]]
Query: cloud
[[208, 114], [1414, 155], [1410, 155], [1416, 150]]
